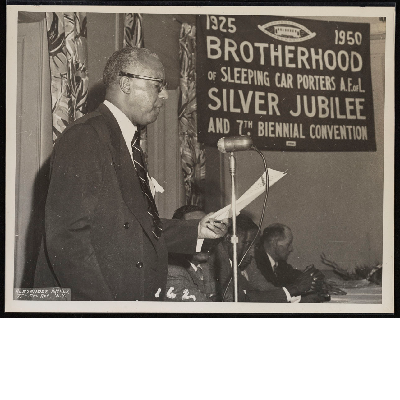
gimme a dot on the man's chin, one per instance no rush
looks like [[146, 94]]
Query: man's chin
[[153, 119]]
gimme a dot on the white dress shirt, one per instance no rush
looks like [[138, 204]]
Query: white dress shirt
[[127, 128], [272, 261]]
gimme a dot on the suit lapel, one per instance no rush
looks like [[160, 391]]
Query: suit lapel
[[195, 275], [281, 272], [264, 265], [126, 174]]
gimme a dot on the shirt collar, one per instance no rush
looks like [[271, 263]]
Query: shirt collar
[[195, 267], [272, 261], [127, 128]]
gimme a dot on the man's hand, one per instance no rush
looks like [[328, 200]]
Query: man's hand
[[301, 285], [314, 272], [311, 280], [209, 228]]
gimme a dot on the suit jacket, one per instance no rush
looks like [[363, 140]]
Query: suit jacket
[[98, 238], [284, 273], [186, 284], [246, 291]]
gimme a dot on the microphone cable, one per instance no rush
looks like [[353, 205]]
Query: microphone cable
[[261, 218]]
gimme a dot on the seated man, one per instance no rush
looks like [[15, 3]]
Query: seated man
[[190, 277], [246, 232], [275, 246]]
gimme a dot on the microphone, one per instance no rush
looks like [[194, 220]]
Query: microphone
[[234, 143]]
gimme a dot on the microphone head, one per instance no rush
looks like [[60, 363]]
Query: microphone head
[[234, 143], [221, 145]]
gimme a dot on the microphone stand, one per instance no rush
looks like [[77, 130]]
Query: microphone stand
[[234, 238]]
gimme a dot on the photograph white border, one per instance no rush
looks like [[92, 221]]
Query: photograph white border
[[387, 305]]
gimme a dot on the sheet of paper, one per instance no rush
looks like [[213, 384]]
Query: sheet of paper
[[251, 194]]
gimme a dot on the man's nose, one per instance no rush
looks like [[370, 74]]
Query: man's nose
[[163, 94]]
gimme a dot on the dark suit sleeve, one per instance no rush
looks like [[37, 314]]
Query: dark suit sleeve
[[73, 194], [257, 280], [249, 295], [180, 236], [269, 294], [290, 274]]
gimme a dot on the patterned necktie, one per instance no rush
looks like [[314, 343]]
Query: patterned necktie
[[137, 156]]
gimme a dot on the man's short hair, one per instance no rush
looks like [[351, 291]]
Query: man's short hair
[[243, 224], [274, 231], [122, 59], [182, 211]]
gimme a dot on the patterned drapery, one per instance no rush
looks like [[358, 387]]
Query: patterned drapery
[[133, 31], [133, 37], [67, 41], [192, 152]]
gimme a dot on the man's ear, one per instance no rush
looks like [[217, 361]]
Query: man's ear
[[124, 84], [269, 245]]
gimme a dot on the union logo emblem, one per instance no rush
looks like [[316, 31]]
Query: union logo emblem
[[287, 31]]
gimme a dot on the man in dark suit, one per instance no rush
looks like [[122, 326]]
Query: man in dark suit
[[191, 277], [275, 247], [247, 292], [272, 254], [103, 236]]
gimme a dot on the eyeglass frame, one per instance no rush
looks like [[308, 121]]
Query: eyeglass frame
[[147, 78]]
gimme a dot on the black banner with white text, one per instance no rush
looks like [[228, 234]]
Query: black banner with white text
[[291, 84]]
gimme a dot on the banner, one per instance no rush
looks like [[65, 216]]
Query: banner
[[291, 84]]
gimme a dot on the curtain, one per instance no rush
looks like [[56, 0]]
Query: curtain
[[133, 31], [192, 152], [67, 41], [133, 37]]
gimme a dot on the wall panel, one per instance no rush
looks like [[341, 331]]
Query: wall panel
[[332, 201], [34, 146]]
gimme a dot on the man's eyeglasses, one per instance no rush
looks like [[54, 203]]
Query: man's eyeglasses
[[162, 84]]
